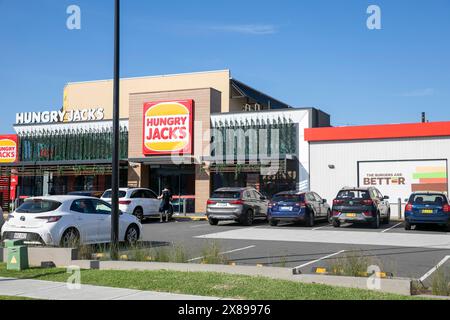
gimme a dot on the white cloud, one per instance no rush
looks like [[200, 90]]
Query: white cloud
[[249, 29], [420, 93]]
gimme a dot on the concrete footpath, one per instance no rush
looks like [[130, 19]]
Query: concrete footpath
[[48, 290]]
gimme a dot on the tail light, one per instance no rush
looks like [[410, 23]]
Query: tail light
[[408, 207], [210, 202], [126, 202], [368, 202], [337, 202], [446, 208], [51, 219], [270, 205], [336, 213], [301, 204], [367, 214], [238, 202]]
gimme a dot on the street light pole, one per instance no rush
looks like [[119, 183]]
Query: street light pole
[[116, 132]]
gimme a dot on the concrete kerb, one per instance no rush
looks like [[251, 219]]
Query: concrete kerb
[[64, 257], [396, 286]]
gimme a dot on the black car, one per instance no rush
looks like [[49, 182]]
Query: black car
[[361, 205]]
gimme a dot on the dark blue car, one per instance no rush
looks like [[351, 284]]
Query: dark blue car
[[427, 208], [294, 206]]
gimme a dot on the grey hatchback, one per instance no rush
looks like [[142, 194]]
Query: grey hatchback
[[242, 205]]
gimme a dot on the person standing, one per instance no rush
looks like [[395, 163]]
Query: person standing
[[165, 206]]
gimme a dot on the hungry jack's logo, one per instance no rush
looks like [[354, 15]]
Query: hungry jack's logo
[[168, 127], [8, 149]]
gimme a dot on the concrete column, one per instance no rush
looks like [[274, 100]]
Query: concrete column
[[202, 189]]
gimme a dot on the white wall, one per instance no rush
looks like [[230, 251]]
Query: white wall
[[344, 155]]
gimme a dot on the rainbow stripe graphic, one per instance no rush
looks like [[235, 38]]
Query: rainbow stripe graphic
[[430, 179]]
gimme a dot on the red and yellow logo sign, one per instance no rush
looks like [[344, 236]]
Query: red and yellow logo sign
[[8, 149], [168, 127]]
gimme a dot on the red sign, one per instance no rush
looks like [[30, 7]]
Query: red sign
[[8, 148], [167, 127]]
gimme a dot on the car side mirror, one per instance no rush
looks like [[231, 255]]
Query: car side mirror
[[386, 197], [324, 201], [263, 198]]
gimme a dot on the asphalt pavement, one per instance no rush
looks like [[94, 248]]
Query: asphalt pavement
[[404, 253]]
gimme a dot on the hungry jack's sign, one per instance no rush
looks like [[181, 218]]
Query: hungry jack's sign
[[167, 127]]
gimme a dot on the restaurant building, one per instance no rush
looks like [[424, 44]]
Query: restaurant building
[[192, 132]]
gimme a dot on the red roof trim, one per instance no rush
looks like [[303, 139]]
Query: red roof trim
[[372, 132]]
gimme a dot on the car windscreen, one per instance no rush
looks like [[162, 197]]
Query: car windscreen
[[353, 194], [108, 193], [38, 206], [289, 198], [430, 199], [226, 195]]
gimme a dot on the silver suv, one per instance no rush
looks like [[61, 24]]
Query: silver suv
[[242, 205]]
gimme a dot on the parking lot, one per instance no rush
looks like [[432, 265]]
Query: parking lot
[[404, 253]]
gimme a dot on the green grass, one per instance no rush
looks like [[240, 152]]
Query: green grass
[[2, 298], [206, 284]]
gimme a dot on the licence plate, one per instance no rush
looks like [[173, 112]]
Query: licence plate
[[222, 204], [427, 211], [286, 208], [351, 215], [20, 235]]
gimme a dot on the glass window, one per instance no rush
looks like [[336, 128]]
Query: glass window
[[102, 207], [318, 198], [226, 195], [353, 194], [148, 194], [310, 197], [137, 194], [107, 194], [83, 206], [38, 206], [289, 198], [247, 195], [428, 198]]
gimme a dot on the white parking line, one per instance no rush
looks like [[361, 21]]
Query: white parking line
[[320, 259], [429, 273], [318, 228], [201, 225], [386, 230], [226, 252]]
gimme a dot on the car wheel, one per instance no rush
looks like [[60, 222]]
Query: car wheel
[[310, 220], [329, 217], [376, 222], [139, 213], [407, 225], [247, 219], [70, 238], [387, 220], [132, 235], [336, 223], [213, 222], [273, 223]]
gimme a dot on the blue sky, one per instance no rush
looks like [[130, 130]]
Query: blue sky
[[306, 53]]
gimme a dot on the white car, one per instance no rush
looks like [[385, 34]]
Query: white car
[[67, 220], [140, 202]]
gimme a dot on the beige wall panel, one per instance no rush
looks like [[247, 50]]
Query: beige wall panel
[[92, 94]]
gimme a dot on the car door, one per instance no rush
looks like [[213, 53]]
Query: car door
[[249, 200], [137, 201], [87, 221], [313, 203], [151, 202], [103, 213], [384, 203], [322, 208], [262, 204]]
